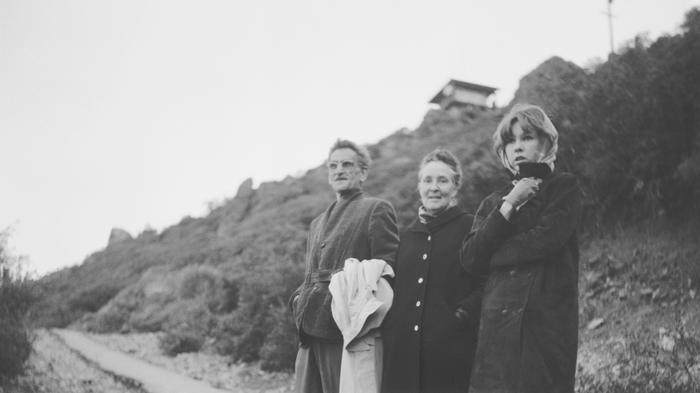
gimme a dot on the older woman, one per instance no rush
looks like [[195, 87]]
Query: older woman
[[525, 235], [430, 332]]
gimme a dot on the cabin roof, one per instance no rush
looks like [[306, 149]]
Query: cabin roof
[[487, 90]]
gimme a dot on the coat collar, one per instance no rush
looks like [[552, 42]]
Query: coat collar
[[350, 195], [438, 222], [344, 200], [538, 170], [336, 208]]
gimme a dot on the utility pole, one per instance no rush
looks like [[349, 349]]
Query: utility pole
[[610, 26]]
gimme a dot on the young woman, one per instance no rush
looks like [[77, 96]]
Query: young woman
[[430, 331], [525, 235]]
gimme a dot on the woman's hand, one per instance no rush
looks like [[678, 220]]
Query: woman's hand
[[523, 191]]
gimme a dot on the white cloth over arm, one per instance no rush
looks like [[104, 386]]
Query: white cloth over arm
[[361, 299]]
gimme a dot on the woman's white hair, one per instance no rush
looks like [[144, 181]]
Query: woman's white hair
[[446, 157], [533, 119]]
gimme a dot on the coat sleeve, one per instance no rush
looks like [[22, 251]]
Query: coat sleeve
[[297, 291], [292, 300], [476, 265], [488, 232], [472, 303], [383, 233], [551, 231]]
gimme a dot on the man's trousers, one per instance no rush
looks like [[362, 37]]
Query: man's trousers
[[317, 367]]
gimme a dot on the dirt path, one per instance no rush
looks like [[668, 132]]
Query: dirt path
[[55, 368], [153, 379], [217, 370]]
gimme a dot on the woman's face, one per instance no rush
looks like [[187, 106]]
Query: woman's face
[[436, 186], [526, 146]]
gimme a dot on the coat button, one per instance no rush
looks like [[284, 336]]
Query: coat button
[[323, 244], [425, 256], [415, 328], [429, 237], [418, 303], [420, 280]]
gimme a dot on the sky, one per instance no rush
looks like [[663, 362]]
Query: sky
[[136, 113]]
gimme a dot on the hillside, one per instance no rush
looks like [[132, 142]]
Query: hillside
[[629, 130]]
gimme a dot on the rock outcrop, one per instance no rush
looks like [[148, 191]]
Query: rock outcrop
[[235, 210], [118, 235], [556, 85]]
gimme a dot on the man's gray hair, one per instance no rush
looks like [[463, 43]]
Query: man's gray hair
[[363, 158]]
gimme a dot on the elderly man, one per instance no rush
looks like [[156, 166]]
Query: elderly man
[[354, 226]]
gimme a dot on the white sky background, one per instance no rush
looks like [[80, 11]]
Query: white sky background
[[132, 113]]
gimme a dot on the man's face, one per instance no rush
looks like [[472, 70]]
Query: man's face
[[344, 172]]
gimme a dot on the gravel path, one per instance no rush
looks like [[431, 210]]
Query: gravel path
[[55, 368], [217, 370], [154, 379]]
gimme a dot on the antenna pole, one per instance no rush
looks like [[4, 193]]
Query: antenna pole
[[610, 26]]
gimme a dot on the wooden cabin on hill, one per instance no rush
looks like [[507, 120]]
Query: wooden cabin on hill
[[457, 95]]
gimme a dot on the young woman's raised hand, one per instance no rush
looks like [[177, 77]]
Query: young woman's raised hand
[[523, 190]]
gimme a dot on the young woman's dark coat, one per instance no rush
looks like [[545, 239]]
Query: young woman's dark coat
[[428, 348], [529, 319]]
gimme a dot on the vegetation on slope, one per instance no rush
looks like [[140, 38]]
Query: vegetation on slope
[[16, 297]]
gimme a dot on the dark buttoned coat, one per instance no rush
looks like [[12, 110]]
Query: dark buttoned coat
[[428, 348], [529, 320], [354, 227]]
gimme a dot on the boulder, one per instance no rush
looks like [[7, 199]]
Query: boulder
[[236, 209], [118, 235], [556, 85]]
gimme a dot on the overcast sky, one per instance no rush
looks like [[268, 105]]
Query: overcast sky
[[136, 113]]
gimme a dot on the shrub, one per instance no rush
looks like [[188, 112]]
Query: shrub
[[93, 298], [180, 340], [227, 301], [636, 133], [17, 294], [198, 281], [152, 316], [241, 336], [16, 344], [108, 322], [188, 328], [280, 347], [114, 316]]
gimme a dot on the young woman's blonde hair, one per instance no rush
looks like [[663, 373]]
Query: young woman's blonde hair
[[533, 119]]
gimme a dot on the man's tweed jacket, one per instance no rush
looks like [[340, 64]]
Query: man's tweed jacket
[[355, 227]]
